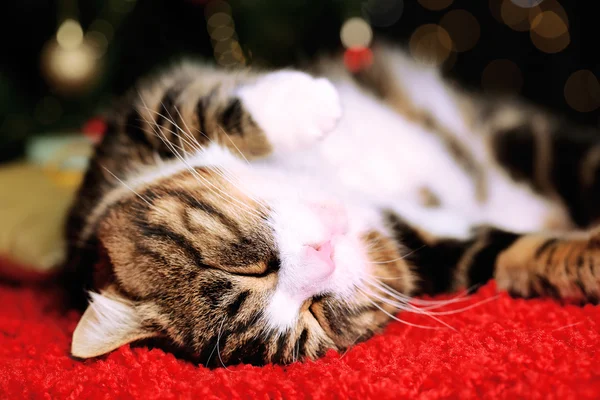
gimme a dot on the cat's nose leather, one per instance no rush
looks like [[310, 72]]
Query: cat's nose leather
[[322, 257], [323, 252]]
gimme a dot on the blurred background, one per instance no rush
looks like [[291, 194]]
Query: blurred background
[[63, 61]]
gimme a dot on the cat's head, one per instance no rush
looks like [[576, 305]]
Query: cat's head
[[240, 264]]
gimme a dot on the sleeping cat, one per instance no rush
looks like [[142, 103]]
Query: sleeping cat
[[266, 217]]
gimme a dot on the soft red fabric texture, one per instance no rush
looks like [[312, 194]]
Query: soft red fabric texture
[[503, 349]]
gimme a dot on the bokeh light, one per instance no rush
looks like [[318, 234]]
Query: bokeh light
[[98, 41], [356, 32], [70, 70], [526, 3], [548, 5], [517, 18], [435, 5], [222, 33], [217, 20], [382, 13], [69, 34], [463, 28], [549, 25], [553, 45], [358, 58], [582, 91], [502, 76], [104, 27], [431, 44], [221, 28]]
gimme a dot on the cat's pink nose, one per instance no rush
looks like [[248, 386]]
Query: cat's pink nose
[[323, 253]]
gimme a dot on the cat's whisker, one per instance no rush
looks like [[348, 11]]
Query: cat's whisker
[[221, 172], [128, 186], [395, 317], [231, 179], [406, 306], [234, 145], [460, 297], [187, 131], [425, 310], [350, 347], [195, 146], [220, 332], [397, 259], [459, 310], [430, 304], [232, 200]]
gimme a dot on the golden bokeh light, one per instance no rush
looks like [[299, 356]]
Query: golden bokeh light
[[217, 20], [431, 44], [104, 27], [582, 91], [69, 34], [221, 27], [97, 40], [546, 6], [222, 33], [356, 32], [502, 76], [551, 46], [70, 70], [435, 5], [463, 29], [549, 25], [517, 18]]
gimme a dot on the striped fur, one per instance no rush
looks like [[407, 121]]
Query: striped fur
[[183, 222]]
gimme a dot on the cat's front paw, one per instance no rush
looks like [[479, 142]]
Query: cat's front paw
[[294, 109], [567, 269]]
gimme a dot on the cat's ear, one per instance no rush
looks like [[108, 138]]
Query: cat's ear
[[109, 322]]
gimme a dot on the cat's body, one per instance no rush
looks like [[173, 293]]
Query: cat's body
[[272, 216]]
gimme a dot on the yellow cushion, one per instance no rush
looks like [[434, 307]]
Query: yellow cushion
[[33, 203]]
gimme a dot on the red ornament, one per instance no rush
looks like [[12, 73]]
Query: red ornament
[[94, 129], [358, 58]]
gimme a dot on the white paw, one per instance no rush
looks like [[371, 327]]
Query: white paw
[[294, 109]]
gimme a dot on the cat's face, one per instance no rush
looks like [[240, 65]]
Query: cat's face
[[274, 270]]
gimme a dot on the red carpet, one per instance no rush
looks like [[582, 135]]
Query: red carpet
[[502, 349]]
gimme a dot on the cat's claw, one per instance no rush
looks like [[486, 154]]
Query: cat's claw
[[294, 109]]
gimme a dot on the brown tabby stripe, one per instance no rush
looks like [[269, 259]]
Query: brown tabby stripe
[[436, 262], [575, 181], [235, 305], [253, 351], [544, 247], [231, 117], [300, 345], [461, 155], [280, 346]]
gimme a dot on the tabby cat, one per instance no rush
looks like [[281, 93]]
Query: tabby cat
[[266, 217]]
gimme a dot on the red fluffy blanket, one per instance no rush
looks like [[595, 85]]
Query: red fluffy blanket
[[504, 348]]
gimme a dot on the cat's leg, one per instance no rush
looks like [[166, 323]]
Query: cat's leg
[[255, 115], [564, 266]]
